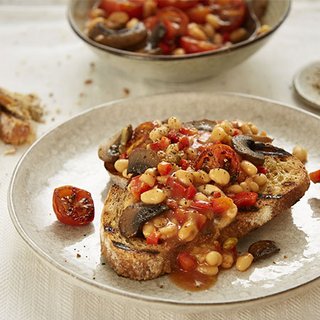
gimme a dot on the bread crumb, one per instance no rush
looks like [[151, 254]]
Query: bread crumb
[[78, 255], [126, 91], [10, 151], [88, 81], [285, 257]]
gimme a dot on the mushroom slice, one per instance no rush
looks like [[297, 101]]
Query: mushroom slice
[[203, 125], [255, 151], [245, 146], [263, 249], [142, 159], [135, 215], [120, 39]]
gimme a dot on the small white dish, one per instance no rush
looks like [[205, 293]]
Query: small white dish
[[307, 84], [68, 155]]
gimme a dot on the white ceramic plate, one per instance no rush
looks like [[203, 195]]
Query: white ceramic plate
[[68, 155]]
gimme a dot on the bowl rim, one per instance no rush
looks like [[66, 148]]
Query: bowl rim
[[149, 57]]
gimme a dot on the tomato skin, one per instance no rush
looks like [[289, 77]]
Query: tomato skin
[[184, 164], [164, 168], [244, 199], [201, 206], [191, 192], [221, 204], [183, 143], [201, 221], [191, 45], [315, 176], [180, 4], [160, 145], [186, 261], [178, 191], [188, 131], [262, 169], [73, 206], [134, 8], [180, 215]]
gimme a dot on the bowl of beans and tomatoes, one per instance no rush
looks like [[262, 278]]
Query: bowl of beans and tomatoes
[[176, 40]]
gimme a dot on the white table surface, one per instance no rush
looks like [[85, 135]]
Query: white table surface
[[39, 53]]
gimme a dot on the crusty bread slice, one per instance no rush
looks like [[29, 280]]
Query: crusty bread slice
[[133, 258]]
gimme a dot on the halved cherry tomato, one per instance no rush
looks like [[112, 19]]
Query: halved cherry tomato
[[191, 45], [137, 187], [198, 13], [181, 4], [188, 131], [219, 156], [134, 8], [186, 261], [315, 176], [244, 199], [231, 12], [73, 206], [201, 206], [153, 238], [183, 143], [175, 21], [184, 164]]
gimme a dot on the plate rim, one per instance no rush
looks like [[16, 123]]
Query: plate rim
[[120, 293]]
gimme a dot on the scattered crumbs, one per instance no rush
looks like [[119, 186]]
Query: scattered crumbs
[[88, 81], [85, 235], [74, 249], [65, 260], [126, 91], [161, 286], [78, 255], [285, 257], [86, 256], [59, 63], [10, 151], [94, 278], [81, 94], [273, 262], [53, 119], [103, 263], [84, 246], [92, 65], [58, 111], [51, 94], [68, 56]]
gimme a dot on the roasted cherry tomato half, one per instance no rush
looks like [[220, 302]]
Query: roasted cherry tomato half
[[181, 4], [244, 199], [191, 45], [315, 176], [219, 156], [73, 206], [186, 261], [231, 12], [134, 8], [175, 22]]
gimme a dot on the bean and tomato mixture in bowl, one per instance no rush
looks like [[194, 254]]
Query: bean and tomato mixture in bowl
[[187, 182], [171, 27]]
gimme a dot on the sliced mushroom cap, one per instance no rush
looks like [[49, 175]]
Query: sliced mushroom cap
[[263, 249], [255, 151], [142, 159], [204, 125], [120, 39], [134, 216]]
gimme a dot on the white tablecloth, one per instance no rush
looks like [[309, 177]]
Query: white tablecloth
[[39, 53]]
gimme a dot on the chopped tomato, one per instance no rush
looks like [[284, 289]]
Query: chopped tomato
[[178, 191], [183, 143], [166, 48], [180, 215], [172, 204], [262, 169], [181, 4], [153, 238], [219, 156], [201, 221], [221, 205], [198, 13], [164, 168], [175, 21], [244, 199], [173, 136], [202, 206], [160, 145], [191, 192], [137, 187], [191, 45], [315, 176], [184, 164], [73, 206], [186, 261], [134, 8], [188, 131]]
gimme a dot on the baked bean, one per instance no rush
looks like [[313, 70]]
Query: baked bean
[[218, 134], [168, 231], [196, 32], [213, 20], [227, 260], [261, 179], [300, 153], [201, 177], [200, 196], [214, 258], [244, 261], [245, 187], [209, 189], [121, 164], [153, 196], [185, 177], [178, 52], [188, 231], [174, 123], [208, 270], [249, 168], [219, 176], [253, 186], [230, 243], [235, 188], [147, 229]]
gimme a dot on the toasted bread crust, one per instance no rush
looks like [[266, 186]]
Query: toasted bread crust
[[137, 260]]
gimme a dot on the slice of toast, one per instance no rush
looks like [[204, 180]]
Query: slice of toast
[[133, 258]]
